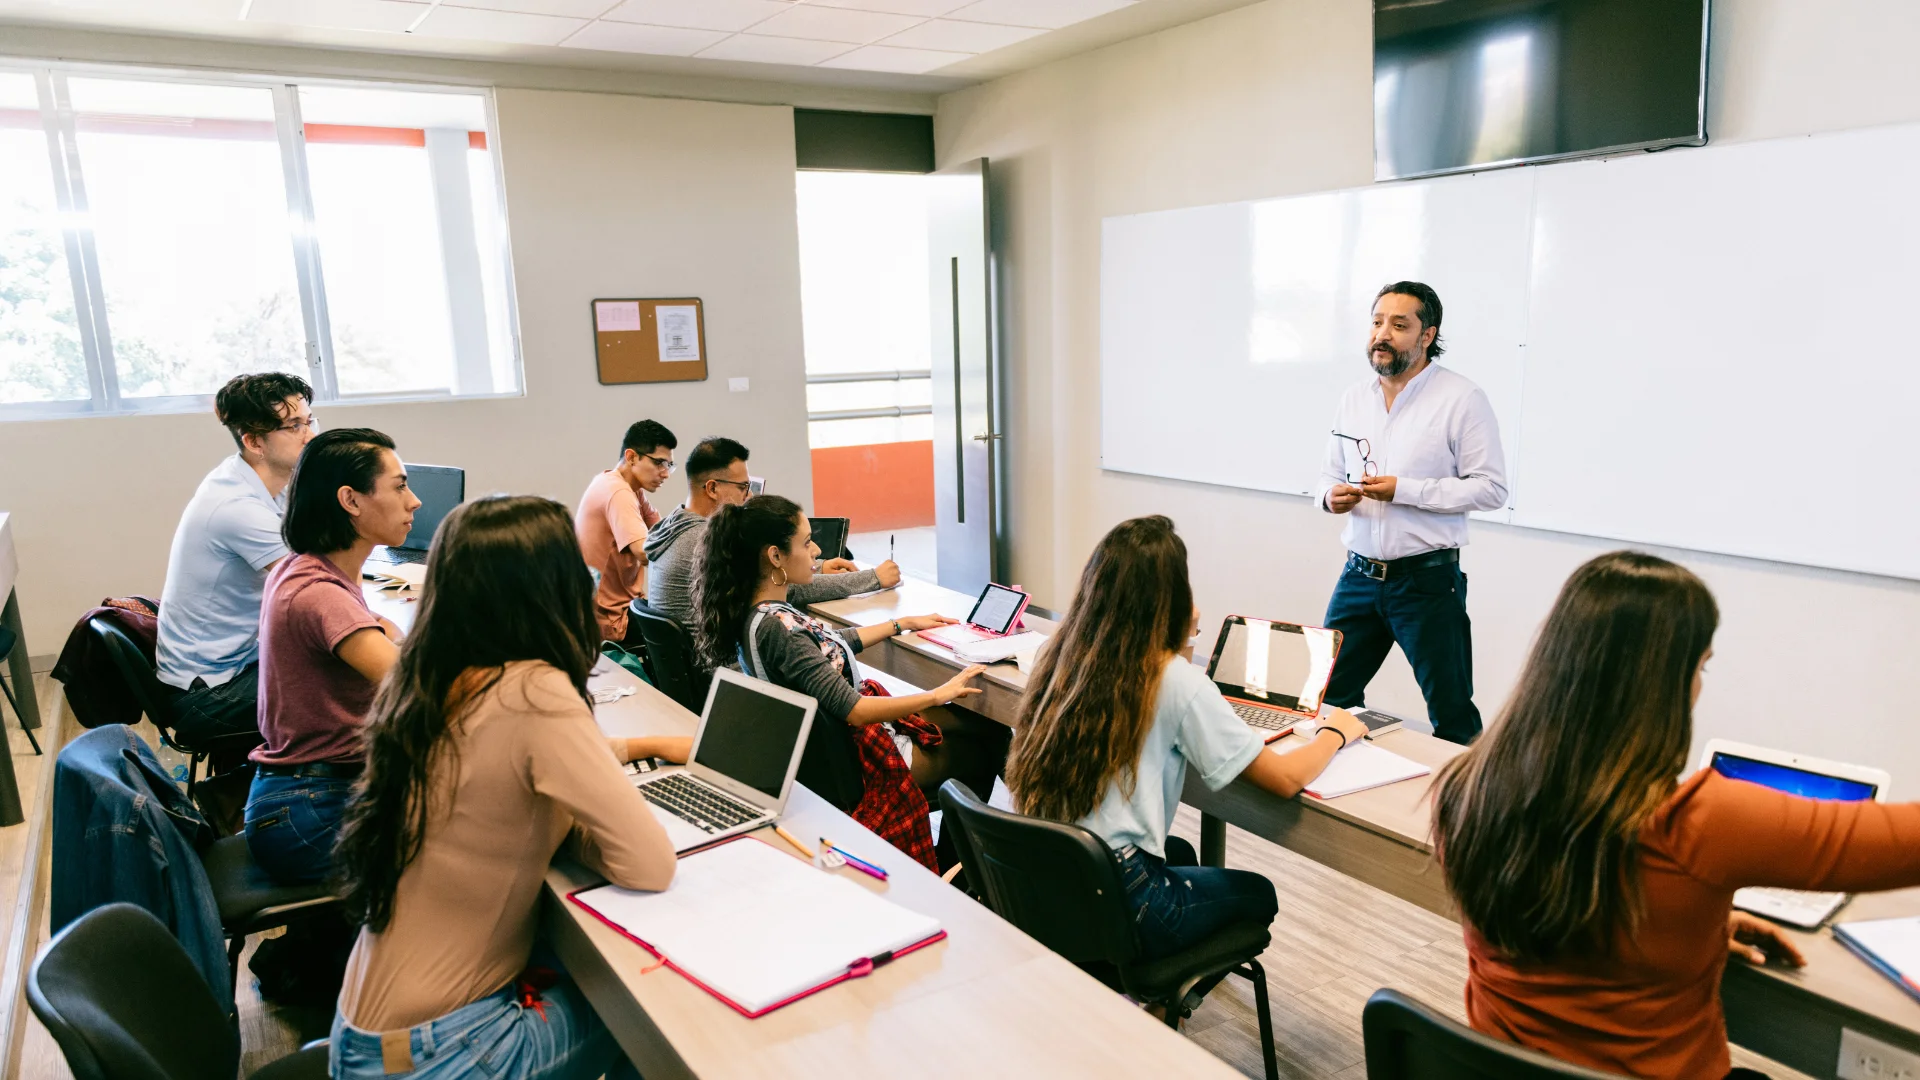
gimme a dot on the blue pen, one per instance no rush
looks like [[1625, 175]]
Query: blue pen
[[853, 861]]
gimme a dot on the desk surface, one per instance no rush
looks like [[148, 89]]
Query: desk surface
[[988, 1001]]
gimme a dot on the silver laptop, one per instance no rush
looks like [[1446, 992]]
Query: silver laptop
[[1808, 777], [1273, 674], [741, 770], [440, 488]]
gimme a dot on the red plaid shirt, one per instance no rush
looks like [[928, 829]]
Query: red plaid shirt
[[892, 805]]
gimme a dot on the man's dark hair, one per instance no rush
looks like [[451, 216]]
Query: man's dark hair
[[712, 455], [256, 404], [1430, 310], [645, 436], [316, 523]]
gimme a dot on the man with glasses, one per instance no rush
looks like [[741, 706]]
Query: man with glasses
[[717, 477], [1412, 451], [613, 518], [228, 538]]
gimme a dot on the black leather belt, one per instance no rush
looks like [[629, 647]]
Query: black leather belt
[[1379, 571], [318, 770]]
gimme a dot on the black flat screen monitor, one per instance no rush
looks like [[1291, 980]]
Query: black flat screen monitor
[[439, 488], [1460, 85]]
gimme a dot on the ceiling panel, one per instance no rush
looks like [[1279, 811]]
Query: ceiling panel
[[1047, 14], [634, 38], [698, 14], [956, 36], [897, 7], [507, 26], [775, 50], [575, 9], [834, 24], [896, 60], [385, 15]]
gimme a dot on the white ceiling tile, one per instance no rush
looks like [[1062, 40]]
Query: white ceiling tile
[[1047, 14], [390, 16], [834, 24], [698, 14], [897, 7], [633, 38], [508, 26], [775, 50], [895, 60], [959, 36], [573, 9]]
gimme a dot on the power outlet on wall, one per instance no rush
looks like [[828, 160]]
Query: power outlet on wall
[[1865, 1058], [737, 386]]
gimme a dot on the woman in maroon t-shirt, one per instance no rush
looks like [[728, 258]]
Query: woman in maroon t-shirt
[[322, 652]]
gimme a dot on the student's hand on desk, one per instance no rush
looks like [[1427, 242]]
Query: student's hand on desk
[[1347, 724], [1342, 498], [925, 622], [889, 574], [838, 566], [1755, 940], [956, 688], [1379, 487]]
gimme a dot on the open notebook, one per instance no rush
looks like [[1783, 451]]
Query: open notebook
[[1361, 766], [758, 928], [1892, 946]]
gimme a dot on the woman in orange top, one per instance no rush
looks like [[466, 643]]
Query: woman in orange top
[[1597, 889]]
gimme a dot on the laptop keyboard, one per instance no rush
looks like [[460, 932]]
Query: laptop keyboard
[[1263, 718], [1792, 906], [396, 556], [697, 804]]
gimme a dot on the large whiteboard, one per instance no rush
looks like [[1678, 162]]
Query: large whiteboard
[[1705, 349]]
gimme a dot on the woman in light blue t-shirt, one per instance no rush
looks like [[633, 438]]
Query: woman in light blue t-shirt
[[1113, 715]]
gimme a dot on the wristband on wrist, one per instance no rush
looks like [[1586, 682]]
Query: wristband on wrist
[[897, 630], [1332, 731]]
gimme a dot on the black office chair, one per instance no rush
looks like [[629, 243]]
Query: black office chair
[[7, 641], [1407, 1041], [250, 902], [124, 1002], [156, 702], [671, 661], [1061, 884]]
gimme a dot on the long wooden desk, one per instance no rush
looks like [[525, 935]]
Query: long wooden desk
[[1382, 837], [988, 1001]]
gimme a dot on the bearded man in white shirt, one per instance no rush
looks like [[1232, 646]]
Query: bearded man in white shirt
[[1414, 448]]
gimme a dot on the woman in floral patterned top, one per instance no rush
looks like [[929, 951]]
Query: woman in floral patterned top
[[874, 760]]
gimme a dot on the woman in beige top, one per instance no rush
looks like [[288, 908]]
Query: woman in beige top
[[482, 758]]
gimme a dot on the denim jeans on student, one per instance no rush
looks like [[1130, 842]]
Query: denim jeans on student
[[1177, 904], [1425, 612], [495, 1038], [292, 822]]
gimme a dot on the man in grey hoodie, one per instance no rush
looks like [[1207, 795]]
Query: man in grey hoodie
[[716, 477]]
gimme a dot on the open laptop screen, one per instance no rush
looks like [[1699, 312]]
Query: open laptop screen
[[749, 736], [1793, 781], [1277, 664], [439, 488]]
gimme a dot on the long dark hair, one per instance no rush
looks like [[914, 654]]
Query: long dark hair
[[1538, 825], [315, 522], [1090, 700], [504, 583], [730, 570]]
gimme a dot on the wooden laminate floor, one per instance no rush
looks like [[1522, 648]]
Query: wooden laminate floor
[[1335, 942]]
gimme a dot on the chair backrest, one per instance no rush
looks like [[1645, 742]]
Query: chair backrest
[[133, 667], [1406, 1040], [124, 1002], [1059, 883], [670, 656]]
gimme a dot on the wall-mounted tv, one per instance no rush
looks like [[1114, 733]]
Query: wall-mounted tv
[[1460, 85]]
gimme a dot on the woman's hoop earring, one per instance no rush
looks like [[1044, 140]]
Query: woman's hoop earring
[[782, 571]]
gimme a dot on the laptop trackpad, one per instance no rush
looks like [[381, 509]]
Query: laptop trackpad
[[682, 834]]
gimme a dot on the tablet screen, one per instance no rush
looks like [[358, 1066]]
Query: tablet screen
[[1793, 781], [996, 609]]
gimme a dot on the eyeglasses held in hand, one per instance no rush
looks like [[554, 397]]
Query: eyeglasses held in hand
[[1367, 467]]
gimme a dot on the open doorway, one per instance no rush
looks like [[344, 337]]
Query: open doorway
[[865, 308]]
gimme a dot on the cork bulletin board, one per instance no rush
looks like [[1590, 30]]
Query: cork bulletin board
[[642, 341]]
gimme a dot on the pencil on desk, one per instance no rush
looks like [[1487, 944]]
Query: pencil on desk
[[791, 839]]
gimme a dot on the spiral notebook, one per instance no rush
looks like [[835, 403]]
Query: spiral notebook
[[1361, 766], [758, 928]]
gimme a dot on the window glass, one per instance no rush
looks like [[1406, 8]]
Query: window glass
[[187, 201], [491, 233], [40, 352]]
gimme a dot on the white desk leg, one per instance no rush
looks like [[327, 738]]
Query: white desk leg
[[22, 672]]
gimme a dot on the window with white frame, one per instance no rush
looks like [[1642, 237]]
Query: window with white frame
[[161, 234]]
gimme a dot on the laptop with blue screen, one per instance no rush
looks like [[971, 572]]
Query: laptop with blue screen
[[1808, 777]]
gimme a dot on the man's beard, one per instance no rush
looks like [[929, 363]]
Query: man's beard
[[1389, 369]]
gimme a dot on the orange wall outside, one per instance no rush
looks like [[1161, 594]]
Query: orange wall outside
[[880, 486]]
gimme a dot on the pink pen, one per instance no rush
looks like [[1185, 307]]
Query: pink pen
[[859, 864]]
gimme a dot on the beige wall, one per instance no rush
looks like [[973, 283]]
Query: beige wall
[[608, 195], [1274, 99]]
